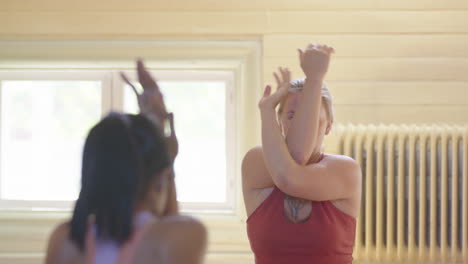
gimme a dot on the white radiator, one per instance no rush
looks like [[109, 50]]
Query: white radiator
[[415, 191]]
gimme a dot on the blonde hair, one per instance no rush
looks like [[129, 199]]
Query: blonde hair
[[298, 86]]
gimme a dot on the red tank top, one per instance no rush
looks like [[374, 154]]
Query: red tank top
[[327, 236]]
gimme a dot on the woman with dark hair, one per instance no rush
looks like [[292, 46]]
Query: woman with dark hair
[[127, 208]]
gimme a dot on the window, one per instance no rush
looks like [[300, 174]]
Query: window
[[45, 117], [43, 126], [207, 70], [217, 84]]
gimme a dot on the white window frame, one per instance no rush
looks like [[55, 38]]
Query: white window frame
[[241, 58]]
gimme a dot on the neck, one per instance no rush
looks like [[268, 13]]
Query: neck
[[143, 206]]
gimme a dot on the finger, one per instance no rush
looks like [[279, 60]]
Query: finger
[[170, 116], [267, 91], [287, 76], [300, 53], [329, 49], [280, 94], [145, 78], [284, 74], [159, 102], [278, 82], [127, 81], [281, 70], [325, 49]]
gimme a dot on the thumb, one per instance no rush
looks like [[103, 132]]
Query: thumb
[[301, 53], [267, 91]]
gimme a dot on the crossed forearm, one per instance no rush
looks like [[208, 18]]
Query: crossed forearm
[[302, 135], [277, 158]]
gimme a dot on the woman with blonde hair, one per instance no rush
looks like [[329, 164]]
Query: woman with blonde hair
[[302, 203]]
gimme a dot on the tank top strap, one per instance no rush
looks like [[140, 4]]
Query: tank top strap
[[127, 253]]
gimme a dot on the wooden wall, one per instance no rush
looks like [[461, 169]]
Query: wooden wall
[[397, 61]]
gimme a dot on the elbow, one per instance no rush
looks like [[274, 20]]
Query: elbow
[[284, 179], [282, 183], [301, 158]]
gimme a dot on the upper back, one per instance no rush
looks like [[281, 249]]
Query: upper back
[[176, 239]]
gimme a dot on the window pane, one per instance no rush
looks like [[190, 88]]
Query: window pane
[[199, 109], [43, 127]]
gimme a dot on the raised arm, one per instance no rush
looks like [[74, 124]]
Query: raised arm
[[302, 135], [334, 178], [151, 103]]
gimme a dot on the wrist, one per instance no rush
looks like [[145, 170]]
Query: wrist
[[313, 80], [153, 117], [267, 110]]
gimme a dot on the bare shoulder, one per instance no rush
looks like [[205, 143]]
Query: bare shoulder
[[345, 166], [341, 161], [179, 230], [252, 157], [60, 232], [183, 224], [175, 239], [60, 249], [253, 164], [255, 175]]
